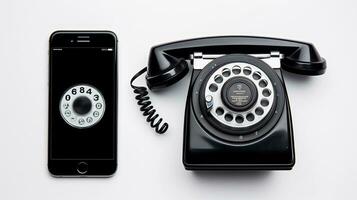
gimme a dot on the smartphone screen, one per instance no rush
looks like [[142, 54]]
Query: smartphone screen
[[82, 84]]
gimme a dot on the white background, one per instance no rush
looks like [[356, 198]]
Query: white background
[[150, 166]]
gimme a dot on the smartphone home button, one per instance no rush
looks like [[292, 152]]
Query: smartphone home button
[[82, 167]]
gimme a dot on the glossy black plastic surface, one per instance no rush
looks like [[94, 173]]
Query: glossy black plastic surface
[[201, 151], [166, 64], [161, 75]]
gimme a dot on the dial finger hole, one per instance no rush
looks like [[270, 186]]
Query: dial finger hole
[[247, 70], [228, 117], [266, 92], [219, 111], [213, 87], [250, 117], [259, 111], [263, 83], [239, 119], [226, 72], [98, 105], [257, 75], [218, 78], [264, 102], [236, 69]]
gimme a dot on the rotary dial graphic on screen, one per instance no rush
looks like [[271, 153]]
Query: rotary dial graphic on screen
[[82, 106]]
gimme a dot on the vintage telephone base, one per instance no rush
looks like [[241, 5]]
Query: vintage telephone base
[[202, 151], [235, 121]]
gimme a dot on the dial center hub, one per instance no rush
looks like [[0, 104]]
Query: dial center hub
[[239, 93], [82, 105]]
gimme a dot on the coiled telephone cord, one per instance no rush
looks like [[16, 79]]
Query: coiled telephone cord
[[146, 107]]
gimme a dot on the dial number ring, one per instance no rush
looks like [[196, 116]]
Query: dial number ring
[[248, 117], [89, 118]]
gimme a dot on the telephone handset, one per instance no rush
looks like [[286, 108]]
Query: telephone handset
[[237, 112]]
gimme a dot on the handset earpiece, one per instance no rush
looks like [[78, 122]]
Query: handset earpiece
[[165, 71], [305, 60]]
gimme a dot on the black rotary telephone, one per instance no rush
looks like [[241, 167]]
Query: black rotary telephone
[[237, 111]]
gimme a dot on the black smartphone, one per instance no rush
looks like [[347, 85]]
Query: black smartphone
[[82, 103]]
